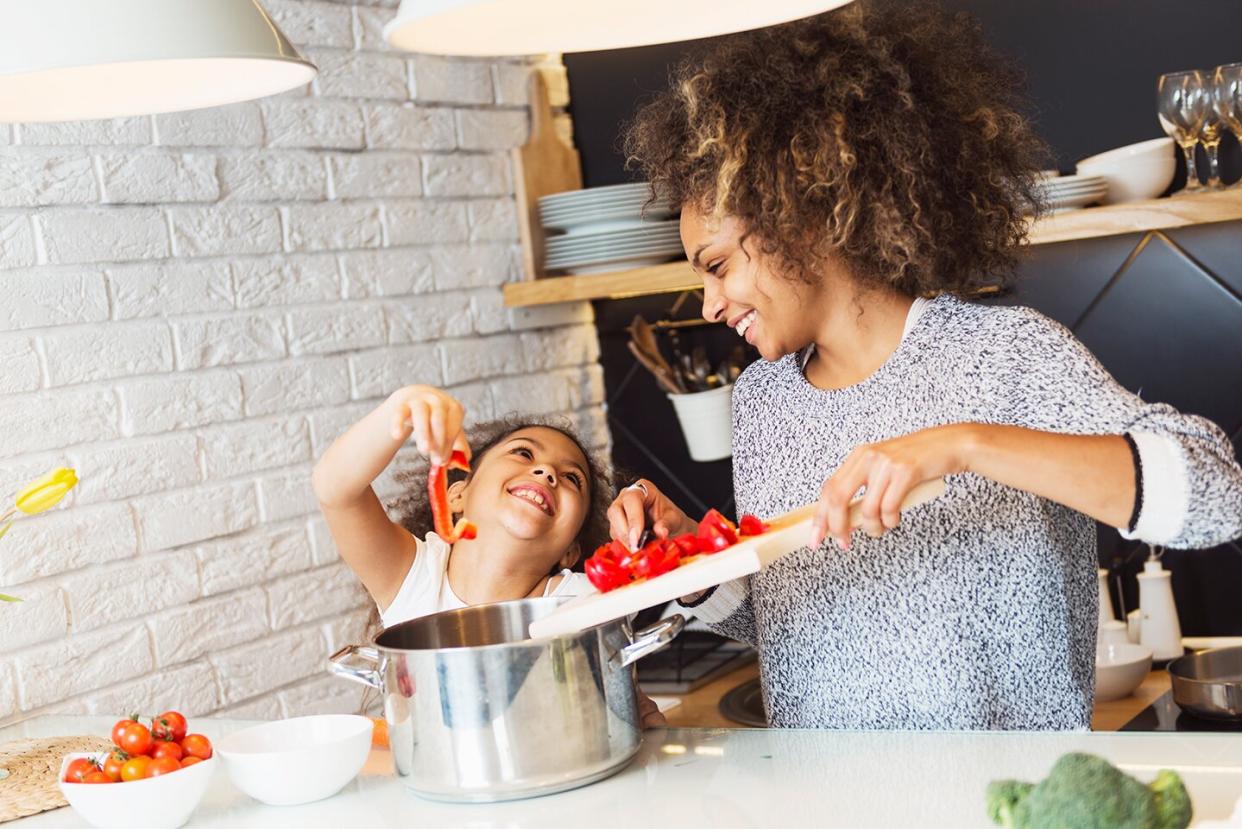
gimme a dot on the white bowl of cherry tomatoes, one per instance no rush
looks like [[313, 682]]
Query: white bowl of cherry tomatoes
[[164, 772]]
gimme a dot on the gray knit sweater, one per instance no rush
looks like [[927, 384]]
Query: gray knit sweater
[[979, 611]]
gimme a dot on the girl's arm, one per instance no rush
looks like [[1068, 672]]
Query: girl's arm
[[379, 551]]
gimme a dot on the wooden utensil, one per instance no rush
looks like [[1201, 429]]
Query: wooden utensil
[[786, 533], [667, 380], [543, 165]]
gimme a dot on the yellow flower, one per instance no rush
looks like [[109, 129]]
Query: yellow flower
[[46, 492]]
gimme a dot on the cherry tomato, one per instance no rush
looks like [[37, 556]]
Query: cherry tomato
[[112, 765], [119, 729], [135, 739], [196, 745], [168, 726], [166, 749], [135, 768], [189, 761], [77, 770], [97, 777], [162, 765]]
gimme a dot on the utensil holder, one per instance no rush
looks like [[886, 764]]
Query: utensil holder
[[707, 422]]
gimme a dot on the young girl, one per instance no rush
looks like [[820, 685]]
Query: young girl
[[536, 496]]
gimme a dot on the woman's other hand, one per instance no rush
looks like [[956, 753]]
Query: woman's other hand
[[641, 505], [433, 417], [888, 470]]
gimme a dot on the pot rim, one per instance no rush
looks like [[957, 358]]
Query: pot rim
[[529, 642]]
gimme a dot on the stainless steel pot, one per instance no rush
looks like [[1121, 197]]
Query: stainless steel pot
[[1209, 683], [478, 712]]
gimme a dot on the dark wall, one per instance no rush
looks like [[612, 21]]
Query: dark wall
[[1091, 67]]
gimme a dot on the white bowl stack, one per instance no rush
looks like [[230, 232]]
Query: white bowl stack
[[1136, 171], [604, 229], [1063, 193]]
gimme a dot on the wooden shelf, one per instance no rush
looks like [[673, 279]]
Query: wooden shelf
[[1157, 214]]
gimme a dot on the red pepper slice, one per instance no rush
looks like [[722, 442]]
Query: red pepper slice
[[605, 571], [689, 544], [437, 491], [722, 525], [750, 525], [656, 558]]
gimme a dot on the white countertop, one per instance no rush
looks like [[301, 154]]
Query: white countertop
[[735, 778]]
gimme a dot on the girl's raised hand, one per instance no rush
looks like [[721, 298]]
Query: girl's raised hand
[[433, 417]]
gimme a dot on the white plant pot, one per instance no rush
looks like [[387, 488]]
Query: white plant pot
[[707, 422]]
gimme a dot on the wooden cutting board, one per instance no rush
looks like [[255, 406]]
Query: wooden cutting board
[[786, 533]]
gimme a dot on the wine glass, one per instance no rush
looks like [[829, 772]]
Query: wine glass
[[1182, 104], [1227, 100]]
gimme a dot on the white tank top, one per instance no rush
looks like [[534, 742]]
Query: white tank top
[[426, 588]]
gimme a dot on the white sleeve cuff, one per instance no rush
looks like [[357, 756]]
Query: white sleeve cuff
[[1165, 495], [724, 602]]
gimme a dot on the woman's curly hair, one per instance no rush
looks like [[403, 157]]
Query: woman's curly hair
[[414, 509], [890, 138]]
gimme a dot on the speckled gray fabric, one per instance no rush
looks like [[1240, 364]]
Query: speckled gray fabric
[[979, 611]]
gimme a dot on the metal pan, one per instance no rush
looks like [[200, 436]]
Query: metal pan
[[1209, 683]]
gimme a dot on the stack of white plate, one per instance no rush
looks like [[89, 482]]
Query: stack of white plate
[[1063, 193], [607, 229]]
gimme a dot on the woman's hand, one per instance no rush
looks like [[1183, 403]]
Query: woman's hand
[[888, 470], [433, 417], [642, 504]]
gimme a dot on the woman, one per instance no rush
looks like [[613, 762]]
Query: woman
[[847, 183]]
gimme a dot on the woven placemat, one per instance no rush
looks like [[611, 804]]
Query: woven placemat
[[33, 766]]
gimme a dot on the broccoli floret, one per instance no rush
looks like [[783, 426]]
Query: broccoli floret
[[1172, 800], [1003, 797], [1087, 792]]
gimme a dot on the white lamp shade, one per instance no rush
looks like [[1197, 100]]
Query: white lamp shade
[[67, 60], [528, 27]]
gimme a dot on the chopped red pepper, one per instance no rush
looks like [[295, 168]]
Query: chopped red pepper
[[750, 525], [605, 570], [656, 558], [613, 565], [437, 491]]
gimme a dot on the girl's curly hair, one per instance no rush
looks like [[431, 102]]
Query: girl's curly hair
[[890, 138], [414, 509]]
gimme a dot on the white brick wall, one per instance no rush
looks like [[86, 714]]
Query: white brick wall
[[195, 305]]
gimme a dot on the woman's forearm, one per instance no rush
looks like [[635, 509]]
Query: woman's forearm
[[1093, 474], [356, 458]]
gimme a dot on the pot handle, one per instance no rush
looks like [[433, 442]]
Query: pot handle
[[652, 638], [363, 667]]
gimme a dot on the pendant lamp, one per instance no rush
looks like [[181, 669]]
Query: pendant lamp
[[68, 60], [527, 27]]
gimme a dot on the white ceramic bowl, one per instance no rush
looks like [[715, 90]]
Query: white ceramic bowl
[[301, 760], [1119, 669], [163, 802], [1134, 172]]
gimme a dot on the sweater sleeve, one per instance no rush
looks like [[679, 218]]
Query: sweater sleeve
[[728, 611], [1191, 483]]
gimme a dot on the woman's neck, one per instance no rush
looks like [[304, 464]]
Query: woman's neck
[[860, 329], [479, 574]]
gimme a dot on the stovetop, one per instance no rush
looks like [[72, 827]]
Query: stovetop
[[1166, 715]]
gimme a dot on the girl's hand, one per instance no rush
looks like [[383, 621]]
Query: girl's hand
[[642, 504], [433, 417], [888, 470]]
